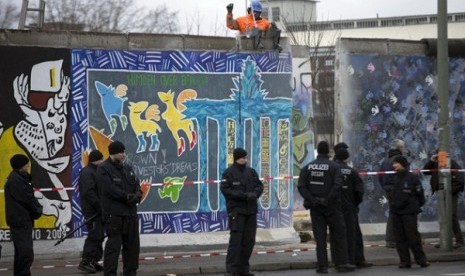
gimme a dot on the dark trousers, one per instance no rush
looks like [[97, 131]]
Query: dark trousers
[[24, 252], [93, 250], [407, 237], [322, 218], [349, 220], [455, 222], [359, 247], [390, 230], [243, 229], [121, 231]]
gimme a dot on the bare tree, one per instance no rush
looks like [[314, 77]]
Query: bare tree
[[320, 41], [110, 16], [9, 14]]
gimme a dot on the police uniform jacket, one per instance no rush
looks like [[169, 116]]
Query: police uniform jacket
[[21, 207], [321, 178], [118, 182], [90, 198], [237, 181], [457, 178], [407, 195], [386, 165], [352, 187]]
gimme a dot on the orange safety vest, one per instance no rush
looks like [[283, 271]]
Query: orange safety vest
[[246, 23]]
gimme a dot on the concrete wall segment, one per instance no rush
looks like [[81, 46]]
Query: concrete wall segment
[[127, 41]]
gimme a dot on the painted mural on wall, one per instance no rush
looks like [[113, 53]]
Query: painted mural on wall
[[181, 114], [34, 120], [388, 97], [302, 114]]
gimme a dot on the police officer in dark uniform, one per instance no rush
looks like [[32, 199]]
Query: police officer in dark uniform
[[92, 211], [406, 196], [120, 194], [21, 208], [352, 196], [397, 148], [320, 184], [241, 188]]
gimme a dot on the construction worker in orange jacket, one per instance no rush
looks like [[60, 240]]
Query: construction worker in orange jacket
[[253, 25]]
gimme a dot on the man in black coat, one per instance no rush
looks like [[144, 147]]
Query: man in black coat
[[320, 184], [120, 194], [406, 196], [352, 196], [90, 204], [457, 183], [21, 208], [241, 188], [396, 149]]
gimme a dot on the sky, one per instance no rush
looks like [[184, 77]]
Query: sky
[[207, 17]]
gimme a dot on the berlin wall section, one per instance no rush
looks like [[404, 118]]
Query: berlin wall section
[[386, 89], [184, 104]]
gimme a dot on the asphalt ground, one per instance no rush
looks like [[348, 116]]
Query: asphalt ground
[[264, 258]]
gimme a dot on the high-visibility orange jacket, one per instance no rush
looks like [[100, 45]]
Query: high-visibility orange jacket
[[246, 23]]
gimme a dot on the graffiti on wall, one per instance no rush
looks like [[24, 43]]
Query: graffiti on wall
[[302, 115], [181, 114], [389, 97], [34, 120]]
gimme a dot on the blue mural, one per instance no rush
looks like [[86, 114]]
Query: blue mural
[[181, 114], [389, 97]]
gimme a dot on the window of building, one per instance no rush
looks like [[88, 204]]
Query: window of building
[[275, 13], [344, 25], [460, 17], [367, 24], [320, 26], [391, 22], [416, 20], [264, 13]]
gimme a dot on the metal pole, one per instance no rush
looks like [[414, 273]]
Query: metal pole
[[445, 194], [41, 14], [22, 18]]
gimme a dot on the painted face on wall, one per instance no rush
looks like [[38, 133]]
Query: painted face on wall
[[42, 131]]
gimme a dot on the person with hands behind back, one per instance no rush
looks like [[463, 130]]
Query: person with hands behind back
[[241, 188], [320, 184], [120, 194], [21, 209], [406, 196], [91, 209], [457, 183]]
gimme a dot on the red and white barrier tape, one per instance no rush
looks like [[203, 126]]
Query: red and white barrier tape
[[200, 255], [266, 178]]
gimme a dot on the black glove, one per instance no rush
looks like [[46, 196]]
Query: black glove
[[322, 201], [132, 199], [251, 196], [230, 7]]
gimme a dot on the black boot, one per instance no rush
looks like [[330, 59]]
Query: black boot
[[86, 266], [97, 266]]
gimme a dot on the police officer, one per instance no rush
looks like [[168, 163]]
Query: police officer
[[320, 184], [120, 194], [90, 204], [241, 188], [406, 196], [21, 208], [352, 196], [397, 148]]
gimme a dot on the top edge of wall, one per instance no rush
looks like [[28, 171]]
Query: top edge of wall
[[128, 41]]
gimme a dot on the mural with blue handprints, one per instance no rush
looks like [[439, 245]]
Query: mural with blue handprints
[[387, 97]]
